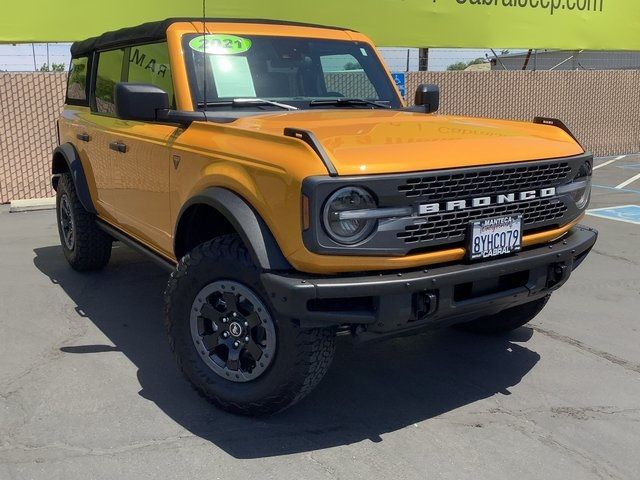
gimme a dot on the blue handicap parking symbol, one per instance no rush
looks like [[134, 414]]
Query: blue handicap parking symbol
[[399, 78], [623, 213]]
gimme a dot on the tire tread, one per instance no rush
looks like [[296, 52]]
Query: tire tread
[[314, 347], [92, 249]]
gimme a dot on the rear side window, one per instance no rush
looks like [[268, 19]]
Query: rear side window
[[150, 64], [77, 81], [110, 72]]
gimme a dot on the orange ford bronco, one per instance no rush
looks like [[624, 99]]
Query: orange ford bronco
[[275, 170]]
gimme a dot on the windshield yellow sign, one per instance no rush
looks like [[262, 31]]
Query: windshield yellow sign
[[566, 24]]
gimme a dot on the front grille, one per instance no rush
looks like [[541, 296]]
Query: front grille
[[414, 233], [491, 181], [451, 227]]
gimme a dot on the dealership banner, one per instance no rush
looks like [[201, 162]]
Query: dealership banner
[[558, 24]]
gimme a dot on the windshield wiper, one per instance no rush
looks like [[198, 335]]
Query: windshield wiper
[[346, 102], [247, 102]]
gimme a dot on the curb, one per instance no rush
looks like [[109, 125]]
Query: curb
[[32, 205]]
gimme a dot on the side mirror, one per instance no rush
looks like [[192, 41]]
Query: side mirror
[[139, 101], [428, 97]]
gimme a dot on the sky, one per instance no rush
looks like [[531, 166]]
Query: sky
[[20, 57]]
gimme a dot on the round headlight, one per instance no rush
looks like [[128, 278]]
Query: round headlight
[[346, 230], [582, 195], [580, 188]]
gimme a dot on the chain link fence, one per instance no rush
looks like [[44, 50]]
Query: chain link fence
[[29, 106], [601, 107]]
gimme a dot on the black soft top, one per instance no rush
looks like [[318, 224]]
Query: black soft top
[[157, 31]]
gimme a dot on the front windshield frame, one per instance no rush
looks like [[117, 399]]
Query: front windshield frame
[[373, 68]]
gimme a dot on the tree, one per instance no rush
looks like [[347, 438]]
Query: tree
[[55, 67], [457, 66], [352, 66], [464, 65]]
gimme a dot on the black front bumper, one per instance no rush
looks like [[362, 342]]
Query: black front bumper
[[391, 303]]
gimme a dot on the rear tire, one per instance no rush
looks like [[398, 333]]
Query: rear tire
[[506, 320], [85, 246], [226, 339]]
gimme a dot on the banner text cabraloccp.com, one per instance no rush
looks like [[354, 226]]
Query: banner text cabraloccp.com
[[560, 24]]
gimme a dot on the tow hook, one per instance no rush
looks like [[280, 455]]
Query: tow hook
[[426, 305], [558, 274]]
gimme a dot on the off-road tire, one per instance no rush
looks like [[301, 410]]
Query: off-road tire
[[302, 356], [506, 320], [91, 247]]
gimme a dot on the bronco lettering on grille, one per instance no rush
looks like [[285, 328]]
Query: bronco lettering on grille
[[478, 202]]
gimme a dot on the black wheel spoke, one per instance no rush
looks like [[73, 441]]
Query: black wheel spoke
[[254, 350], [203, 323], [230, 302], [245, 306], [233, 360], [252, 319], [211, 341], [208, 311]]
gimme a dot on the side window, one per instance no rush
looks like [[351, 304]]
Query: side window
[[344, 76], [77, 81], [150, 64], [109, 73]]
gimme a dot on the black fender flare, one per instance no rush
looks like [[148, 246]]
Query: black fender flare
[[67, 153], [253, 231]]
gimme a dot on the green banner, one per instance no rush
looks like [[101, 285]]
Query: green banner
[[560, 24]]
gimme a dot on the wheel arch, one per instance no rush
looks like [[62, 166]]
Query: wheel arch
[[65, 159], [231, 214]]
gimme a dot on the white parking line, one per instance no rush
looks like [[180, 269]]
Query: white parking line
[[627, 182], [609, 162]]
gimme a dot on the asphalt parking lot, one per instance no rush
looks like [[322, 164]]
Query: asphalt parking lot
[[89, 390]]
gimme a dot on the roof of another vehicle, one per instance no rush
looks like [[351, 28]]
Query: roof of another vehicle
[[157, 31]]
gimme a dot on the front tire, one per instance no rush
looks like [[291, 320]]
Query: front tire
[[86, 247], [226, 339], [507, 320]]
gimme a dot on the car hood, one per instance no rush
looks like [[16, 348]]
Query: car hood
[[366, 141]]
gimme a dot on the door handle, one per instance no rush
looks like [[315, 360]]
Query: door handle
[[118, 147], [84, 136]]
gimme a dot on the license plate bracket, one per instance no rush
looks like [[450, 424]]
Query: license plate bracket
[[494, 237]]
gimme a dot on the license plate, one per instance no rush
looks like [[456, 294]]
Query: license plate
[[492, 237]]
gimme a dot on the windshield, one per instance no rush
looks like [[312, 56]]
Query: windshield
[[292, 71]]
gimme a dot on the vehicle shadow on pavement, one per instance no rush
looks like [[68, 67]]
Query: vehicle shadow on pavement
[[368, 391]]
